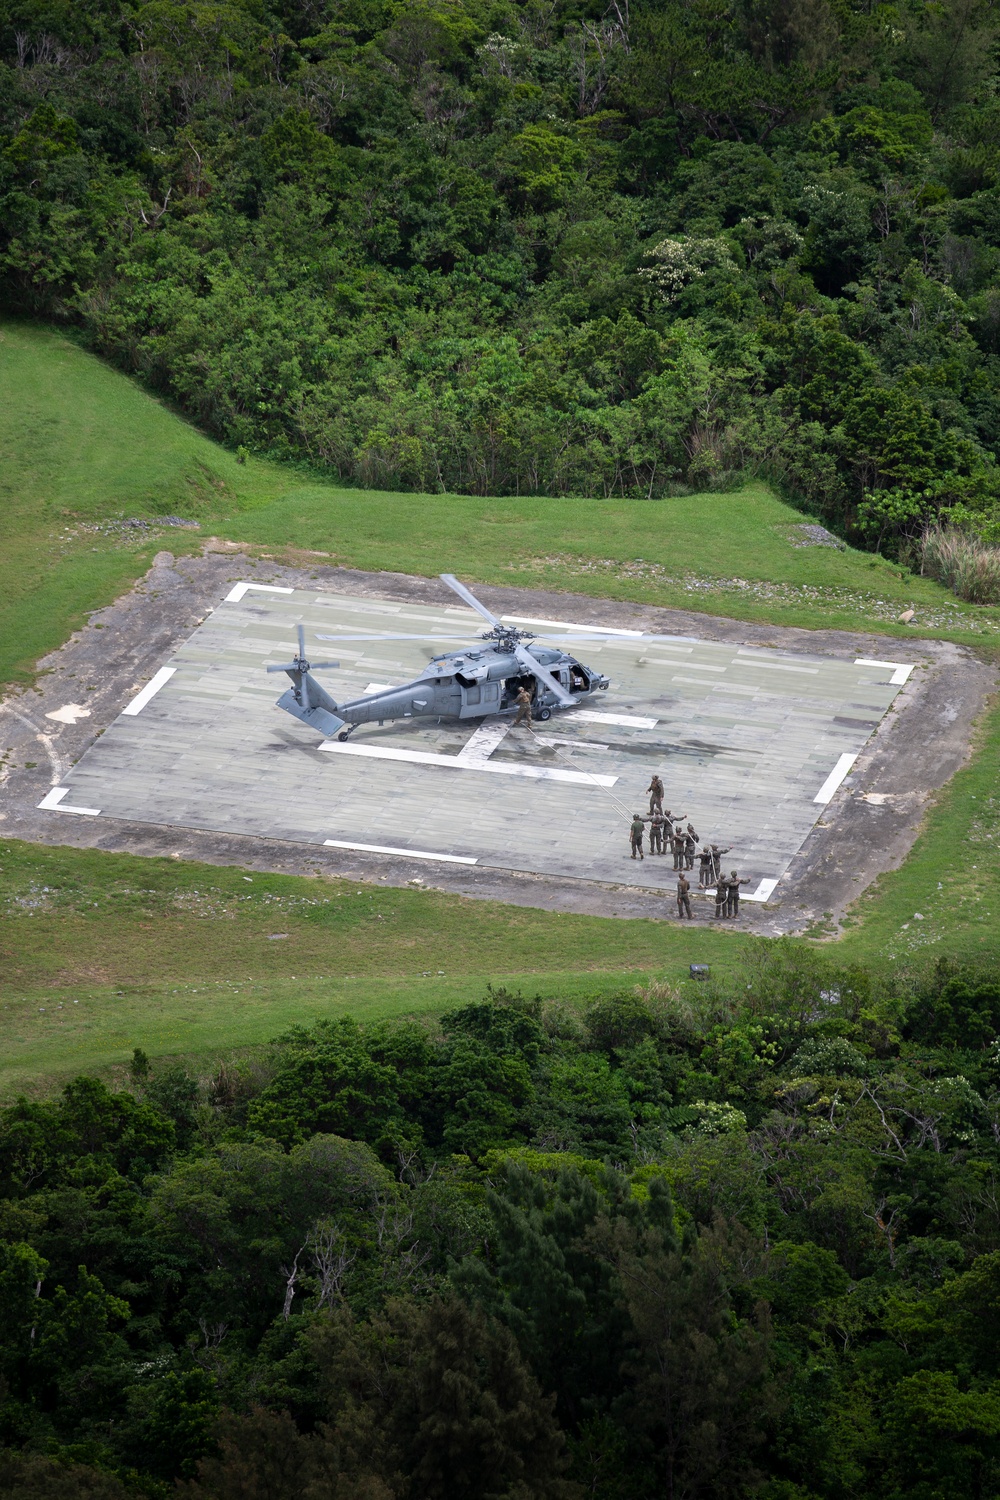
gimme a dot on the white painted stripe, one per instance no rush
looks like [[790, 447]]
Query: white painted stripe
[[455, 763], [867, 661], [239, 589], [835, 777], [899, 676], [53, 802], [698, 681], [571, 625], [775, 666], [589, 716], [149, 691], [763, 891], [451, 859], [555, 739], [483, 741], [666, 661]]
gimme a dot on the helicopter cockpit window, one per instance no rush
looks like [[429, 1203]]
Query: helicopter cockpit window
[[577, 680]]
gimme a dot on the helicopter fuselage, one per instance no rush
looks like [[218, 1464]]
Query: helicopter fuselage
[[471, 683]]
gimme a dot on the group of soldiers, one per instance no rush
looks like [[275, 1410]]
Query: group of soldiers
[[668, 835]]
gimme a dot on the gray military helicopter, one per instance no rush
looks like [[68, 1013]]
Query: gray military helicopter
[[469, 683]]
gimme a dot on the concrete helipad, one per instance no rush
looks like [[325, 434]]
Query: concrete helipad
[[751, 744]]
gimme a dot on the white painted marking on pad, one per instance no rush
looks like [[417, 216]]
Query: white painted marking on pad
[[53, 802], [451, 859], [775, 666], [455, 763], [590, 717], [571, 625], [69, 713], [900, 670], [699, 681], [763, 891], [239, 589], [152, 687], [835, 777], [483, 741]]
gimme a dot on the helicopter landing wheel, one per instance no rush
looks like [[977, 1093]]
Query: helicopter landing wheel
[[544, 713], [605, 686], [344, 736]]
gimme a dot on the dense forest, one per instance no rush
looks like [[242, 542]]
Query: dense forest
[[742, 1241], [534, 246]]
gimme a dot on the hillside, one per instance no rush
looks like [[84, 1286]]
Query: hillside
[[498, 248]]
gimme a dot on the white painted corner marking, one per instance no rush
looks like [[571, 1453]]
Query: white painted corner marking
[[451, 859], [158, 680], [835, 777], [900, 670], [239, 589], [53, 802]]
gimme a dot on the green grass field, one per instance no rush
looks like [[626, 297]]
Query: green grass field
[[101, 953]]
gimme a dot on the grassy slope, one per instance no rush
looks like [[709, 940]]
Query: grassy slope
[[179, 958]]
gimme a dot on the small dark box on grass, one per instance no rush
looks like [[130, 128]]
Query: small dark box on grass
[[699, 971]]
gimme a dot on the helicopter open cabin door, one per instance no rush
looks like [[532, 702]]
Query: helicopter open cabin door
[[479, 697]]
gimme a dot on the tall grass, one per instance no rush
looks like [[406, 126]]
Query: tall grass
[[967, 566]]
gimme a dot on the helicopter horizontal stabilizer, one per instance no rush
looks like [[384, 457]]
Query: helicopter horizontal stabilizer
[[318, 718]]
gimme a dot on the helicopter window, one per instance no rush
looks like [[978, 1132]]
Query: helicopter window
[[473, 695]]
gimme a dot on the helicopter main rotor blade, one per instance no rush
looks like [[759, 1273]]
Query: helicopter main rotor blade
[[289, 666], [302, 642], [321, 666], [545, 677], [468, 596]]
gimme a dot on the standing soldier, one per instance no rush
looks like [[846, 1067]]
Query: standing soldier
[[677, 846], [655, 790], [721, 896], [706, 871], [683, 895], [656, 834], [635, 834], [523, 701], [670, 818], [690, 847], [733, 894], [717, 854]]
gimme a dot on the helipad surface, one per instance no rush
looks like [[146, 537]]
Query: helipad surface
[[750, 744]]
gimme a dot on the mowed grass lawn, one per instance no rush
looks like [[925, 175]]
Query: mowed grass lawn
[[101, 953]]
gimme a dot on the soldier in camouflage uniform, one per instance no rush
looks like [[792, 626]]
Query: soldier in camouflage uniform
[[706, 870], [635, 835], [655, 790], [677, 847], [733, 894], [656, 834], [721, 896], [690, 847], [523, 701], [683, 895], [717, 854]]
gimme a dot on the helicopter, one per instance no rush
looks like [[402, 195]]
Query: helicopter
[[472, 682]]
